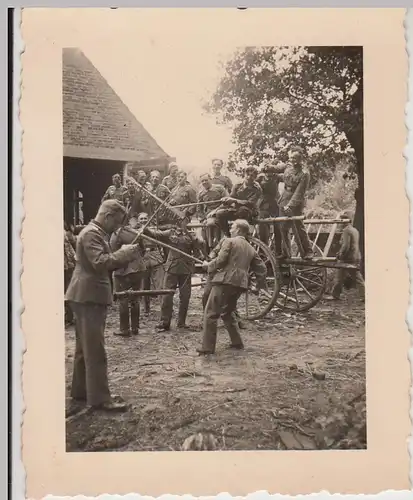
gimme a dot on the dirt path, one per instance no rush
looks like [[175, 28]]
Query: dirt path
[[290, 388]]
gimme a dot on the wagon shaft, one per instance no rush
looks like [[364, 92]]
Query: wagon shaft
[[328, 262], [141, 293]]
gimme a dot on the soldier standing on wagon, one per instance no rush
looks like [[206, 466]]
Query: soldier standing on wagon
[[269, 181], [296, 180]]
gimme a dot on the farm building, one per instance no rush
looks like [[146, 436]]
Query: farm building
[[100, 138]]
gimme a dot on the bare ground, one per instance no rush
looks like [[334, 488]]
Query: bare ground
[[299, 384]]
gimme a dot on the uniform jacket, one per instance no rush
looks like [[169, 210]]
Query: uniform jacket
[[224, 181], [183, 240], [270, 194], [170, 182], [115, 193], [350, 249], [183, 195], [94, 260], [235, 259], [252, 194], [125, 236], [216, 192], [296, 182]]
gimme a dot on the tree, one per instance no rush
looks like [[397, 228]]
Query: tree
[[276, 97]]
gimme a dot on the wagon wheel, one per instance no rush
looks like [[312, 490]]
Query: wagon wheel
[[252, 304], [301, 286]]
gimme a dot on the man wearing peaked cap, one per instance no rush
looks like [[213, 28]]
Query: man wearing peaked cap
[[89, 294]]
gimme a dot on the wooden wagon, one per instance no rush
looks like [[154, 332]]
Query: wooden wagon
[[294, 284]]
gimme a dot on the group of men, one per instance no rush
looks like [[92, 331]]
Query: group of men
[[121, 241]]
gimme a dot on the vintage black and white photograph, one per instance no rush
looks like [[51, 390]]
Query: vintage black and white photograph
[[213, 245]]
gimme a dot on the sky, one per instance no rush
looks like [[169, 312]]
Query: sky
[[163, 76]]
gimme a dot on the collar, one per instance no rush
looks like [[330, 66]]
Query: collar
[[95, 223]]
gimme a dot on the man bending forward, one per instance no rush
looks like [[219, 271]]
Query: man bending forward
[[230, 270]]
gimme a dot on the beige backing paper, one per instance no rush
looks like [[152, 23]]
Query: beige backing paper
[[385, 464]]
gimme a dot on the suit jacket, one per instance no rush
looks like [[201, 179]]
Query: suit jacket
[[94, 260], [235, 259]]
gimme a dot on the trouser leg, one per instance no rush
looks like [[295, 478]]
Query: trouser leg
[[185, 289], [207, 291], [146, 285], [170, 283], [121, 284], [135, 283], [90, 328], [338, 283], [358, 278], [68, 310], [229, 304], [78, 390], [211, 316]]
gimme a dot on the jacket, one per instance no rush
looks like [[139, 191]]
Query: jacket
[[182, 240], [125, 236], [235, 259], [296, 183], [94, 261], [350, 246]]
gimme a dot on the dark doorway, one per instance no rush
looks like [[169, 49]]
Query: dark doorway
[[84, 183]]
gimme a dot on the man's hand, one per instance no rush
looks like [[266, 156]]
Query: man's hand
[[205, 265], [287, 210]]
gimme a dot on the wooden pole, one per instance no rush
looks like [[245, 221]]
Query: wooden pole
[[165, 245]]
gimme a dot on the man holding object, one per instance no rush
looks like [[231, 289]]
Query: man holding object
[[230, 270], [89, 294]]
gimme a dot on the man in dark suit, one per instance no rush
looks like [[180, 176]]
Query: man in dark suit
[[230, 270], [89, 294]]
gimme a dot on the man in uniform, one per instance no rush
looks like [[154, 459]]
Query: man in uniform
[[155, 179], [178, 271], [90, 294], [128, 278], [133, 198], [242, 202], [230, 270], [184, 193], [141, 177], [268, 205], [296, 180], [171, 180], [153, 260], [116, 191], [217, 177], [209, 192], [349, 253]]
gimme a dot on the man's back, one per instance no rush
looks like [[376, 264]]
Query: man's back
[[350, 245], [235, 259]]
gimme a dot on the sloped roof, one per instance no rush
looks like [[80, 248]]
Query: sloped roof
[[96, 122]]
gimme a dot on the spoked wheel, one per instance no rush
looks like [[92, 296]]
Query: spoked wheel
[[253, 304], [301, 285]]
